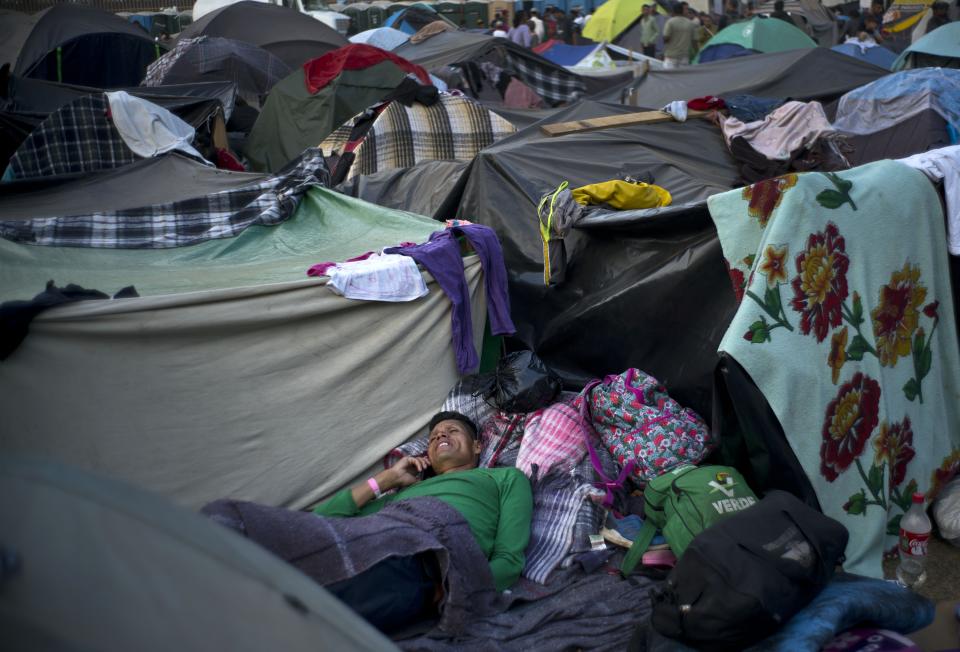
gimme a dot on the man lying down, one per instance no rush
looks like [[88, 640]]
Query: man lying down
[[418, 552]]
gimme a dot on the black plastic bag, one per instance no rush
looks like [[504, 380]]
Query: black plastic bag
[[523, 383]]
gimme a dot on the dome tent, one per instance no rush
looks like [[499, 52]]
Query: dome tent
[[752, 36], [293, 37], [167, 579], [940, 48], [294, 117], [77, 45]]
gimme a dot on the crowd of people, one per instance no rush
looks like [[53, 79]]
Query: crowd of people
[[686, 31], [529, 28]]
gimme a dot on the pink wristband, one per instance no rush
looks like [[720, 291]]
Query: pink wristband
[[374, 487]]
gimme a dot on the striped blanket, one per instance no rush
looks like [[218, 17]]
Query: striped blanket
[[265, 202], [455, 128], [76, 139]]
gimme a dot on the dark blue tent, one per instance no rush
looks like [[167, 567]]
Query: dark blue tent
[[724, 51]]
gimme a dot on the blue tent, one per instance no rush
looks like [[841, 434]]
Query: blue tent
[[568, 55], [877, 55], [724, 51]]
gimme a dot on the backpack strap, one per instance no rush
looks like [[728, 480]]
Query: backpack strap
[[640, 545], [605, 483]]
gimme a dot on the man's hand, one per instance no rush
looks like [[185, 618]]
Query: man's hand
[[405, 472], [402, 474]]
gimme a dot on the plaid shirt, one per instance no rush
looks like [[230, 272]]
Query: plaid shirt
[[78, 138], [551, 82], [181, 223]]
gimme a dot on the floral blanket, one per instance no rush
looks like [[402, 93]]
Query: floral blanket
[[846, 325]]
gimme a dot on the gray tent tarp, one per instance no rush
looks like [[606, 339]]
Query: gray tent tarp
[[103, 566], [813, 74], [278, 393]]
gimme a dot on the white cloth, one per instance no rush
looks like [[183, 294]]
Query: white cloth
[[788, 128], [147, 129], [672, 63], [390, 277], [943, 164], [677, 110]]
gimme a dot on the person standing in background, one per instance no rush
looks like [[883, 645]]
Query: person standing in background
[[649, 31], [520, 34], [678, 37], [538, 29]]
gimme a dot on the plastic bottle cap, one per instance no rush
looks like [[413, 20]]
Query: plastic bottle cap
[[918, 497]]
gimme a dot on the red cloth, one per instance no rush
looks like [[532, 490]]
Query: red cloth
[[706, 103], [321, 71], [227, 161], [546, 45]]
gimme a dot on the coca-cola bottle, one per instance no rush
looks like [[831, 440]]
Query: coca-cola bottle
[[914, 534]]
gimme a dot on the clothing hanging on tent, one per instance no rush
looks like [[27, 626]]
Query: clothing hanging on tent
[[943, 164], [379, 278], [440, 255]]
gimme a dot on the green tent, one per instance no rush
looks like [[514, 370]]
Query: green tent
[[940, 48], [753, 36], [293, 119], [93, 564]]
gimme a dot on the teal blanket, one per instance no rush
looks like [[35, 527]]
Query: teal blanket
[[846, 325]]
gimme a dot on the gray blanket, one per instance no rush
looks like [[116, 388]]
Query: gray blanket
[[573, 611], [333, 549]]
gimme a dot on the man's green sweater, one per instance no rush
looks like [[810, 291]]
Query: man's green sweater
[[496, 503]]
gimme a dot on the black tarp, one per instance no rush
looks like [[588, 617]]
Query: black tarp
[[80, 45], [166, 178], [650, 292], [813, 74], [421, 188], [293, 37]]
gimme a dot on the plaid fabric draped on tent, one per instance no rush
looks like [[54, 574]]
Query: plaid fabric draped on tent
[[77, 138], [554, 84], [180, 223], [454, 128]]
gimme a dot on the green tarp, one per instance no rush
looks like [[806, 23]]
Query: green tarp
[[327, 226]]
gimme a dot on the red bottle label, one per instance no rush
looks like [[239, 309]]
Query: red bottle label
[[913, 544]]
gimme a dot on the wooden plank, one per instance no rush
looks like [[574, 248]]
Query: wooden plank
[[608, 122]]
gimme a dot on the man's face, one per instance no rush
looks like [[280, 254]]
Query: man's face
[[451, 445], [877, 8]]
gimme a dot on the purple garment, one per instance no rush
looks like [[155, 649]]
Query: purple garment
[[521, 35], [440, 255]]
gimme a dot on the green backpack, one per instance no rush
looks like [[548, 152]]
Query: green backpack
[[684, 502]]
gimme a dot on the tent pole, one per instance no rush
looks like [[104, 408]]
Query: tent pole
[[59, 64]]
